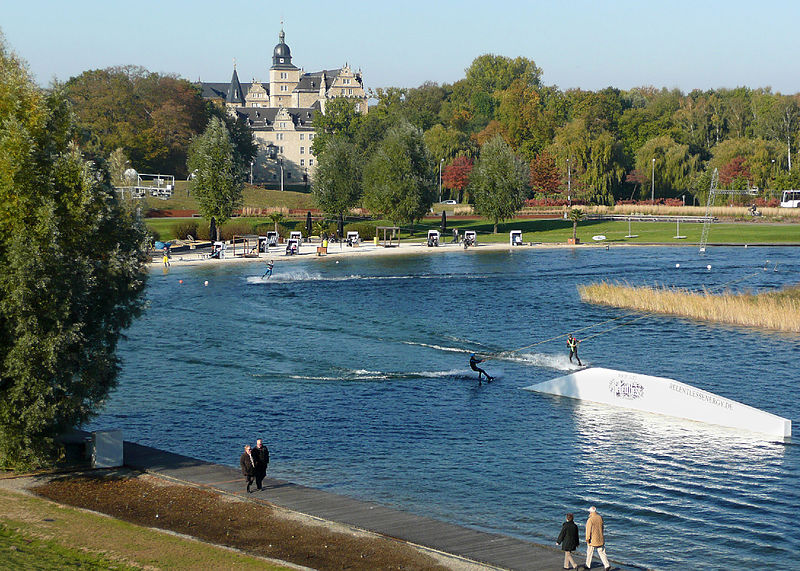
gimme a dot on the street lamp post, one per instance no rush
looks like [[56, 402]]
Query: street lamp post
[[251, 172], [653, 183], [569, 183], [441, 162], [280, 161]]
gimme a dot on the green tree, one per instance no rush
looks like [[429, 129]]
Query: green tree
[[337, 182], [499, 182], [398, 179], [447, 143], [596, 161], [72, 273], [118, 163], [674, 168], [217, 174], [152, 117], [340, 118]]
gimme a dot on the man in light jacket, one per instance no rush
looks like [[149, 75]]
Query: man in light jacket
[[595, 539]]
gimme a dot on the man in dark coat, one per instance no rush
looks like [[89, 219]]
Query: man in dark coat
[[261, 456], [248, 464], [568, 540]]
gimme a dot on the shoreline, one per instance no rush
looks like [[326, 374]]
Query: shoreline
[[308, 251]]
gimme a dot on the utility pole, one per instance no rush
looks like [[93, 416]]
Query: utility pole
[[653, 183]]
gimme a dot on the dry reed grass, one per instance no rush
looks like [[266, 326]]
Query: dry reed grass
[[778, 310]]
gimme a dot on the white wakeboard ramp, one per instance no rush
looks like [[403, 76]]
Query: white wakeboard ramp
[[663, 396]]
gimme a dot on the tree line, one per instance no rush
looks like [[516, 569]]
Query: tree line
[[597, 146]]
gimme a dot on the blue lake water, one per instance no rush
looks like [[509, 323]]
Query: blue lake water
[[356, 376]]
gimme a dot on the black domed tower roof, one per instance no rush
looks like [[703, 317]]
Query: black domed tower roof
[[282, 55]]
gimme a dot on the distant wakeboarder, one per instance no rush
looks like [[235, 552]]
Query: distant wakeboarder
[[473, 364], [572, 343], [268, 273]]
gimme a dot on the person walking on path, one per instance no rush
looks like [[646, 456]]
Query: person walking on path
[[248, 464], [568, 540], [572, 343], [473, 364], [261, 455], [595, 539]]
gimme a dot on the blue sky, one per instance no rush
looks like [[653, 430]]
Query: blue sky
[[583, 44]]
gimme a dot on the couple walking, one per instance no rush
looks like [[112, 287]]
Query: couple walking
[[254, 462], [568, 539]]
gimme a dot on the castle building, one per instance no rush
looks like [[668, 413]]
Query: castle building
[[281, 112]]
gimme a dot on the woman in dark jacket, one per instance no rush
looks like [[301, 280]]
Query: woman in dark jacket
[[568, 540]]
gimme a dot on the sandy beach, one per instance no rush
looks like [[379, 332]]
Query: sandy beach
[[308, 251]]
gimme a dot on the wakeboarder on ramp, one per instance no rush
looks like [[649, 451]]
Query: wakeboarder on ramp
[[663, 396]]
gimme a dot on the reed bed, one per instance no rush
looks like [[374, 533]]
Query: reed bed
[[779, 310]]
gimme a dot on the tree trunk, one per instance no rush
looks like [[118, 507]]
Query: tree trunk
[[574, 230], [495, 227]]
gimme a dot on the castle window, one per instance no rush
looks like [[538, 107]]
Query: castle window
[[281, 149], [302, 162], [358, 106], [311, 136], [279, 136], [301, 136], [284, 75], [302, 150], [311, 162]]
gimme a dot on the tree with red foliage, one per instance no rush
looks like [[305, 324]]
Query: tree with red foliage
[[455, 176], [735, 174], [545, 177]]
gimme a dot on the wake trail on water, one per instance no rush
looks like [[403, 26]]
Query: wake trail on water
[[555, 362], [293, 277], [368, 375]]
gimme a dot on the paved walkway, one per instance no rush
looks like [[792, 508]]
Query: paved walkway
[[488, 548]]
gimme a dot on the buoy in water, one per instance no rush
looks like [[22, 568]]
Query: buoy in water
[[205, 283], [708, 267], [677, 265], [180, 281]]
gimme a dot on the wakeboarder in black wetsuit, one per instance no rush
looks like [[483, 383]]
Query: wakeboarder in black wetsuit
[[473, 364]]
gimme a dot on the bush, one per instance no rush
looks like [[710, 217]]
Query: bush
[[155, 235], [204, 231], [366, 230], [235, 228], [184, 229]]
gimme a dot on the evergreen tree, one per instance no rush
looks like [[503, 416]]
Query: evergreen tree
[[499, 181], [218, 173], [72, 273]]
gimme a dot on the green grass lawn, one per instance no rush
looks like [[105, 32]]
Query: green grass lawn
[[558, 231], [253, 198]]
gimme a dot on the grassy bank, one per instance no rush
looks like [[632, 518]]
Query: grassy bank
[[772, 310], [38, 534], [253, 197]]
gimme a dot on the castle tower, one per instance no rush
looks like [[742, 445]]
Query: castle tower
[[283, 75]]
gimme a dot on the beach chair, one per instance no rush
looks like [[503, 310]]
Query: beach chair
[[353, 238], [296, 235], [272, 238], [433, 238], [292, 246], [470, 238], [515, 237]]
